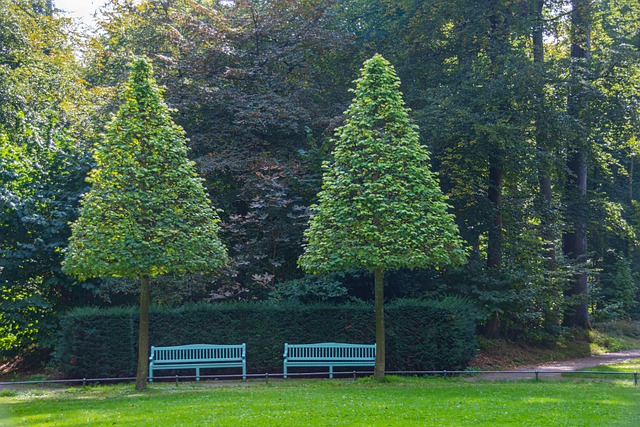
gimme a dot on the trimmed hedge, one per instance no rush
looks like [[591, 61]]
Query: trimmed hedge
[[431, 335]]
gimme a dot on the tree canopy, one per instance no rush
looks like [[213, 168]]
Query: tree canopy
[[380, 205], [146, 213], [43, 159]]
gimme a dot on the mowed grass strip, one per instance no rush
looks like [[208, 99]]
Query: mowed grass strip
[[624, 370], [399, 402]]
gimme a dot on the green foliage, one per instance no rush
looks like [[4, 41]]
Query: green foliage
[[256, 84], [267, 238], [311, 289], [380, 205], [260, 86], [422, 335], [528, 308], [486, 97], [146, 213], [621, 328], [41, 185], [616, 295], [95, 342], [43, 162]]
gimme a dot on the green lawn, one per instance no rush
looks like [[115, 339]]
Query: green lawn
[[400, 402], [629, 366]]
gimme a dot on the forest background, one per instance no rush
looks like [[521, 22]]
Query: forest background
[[529, 108]]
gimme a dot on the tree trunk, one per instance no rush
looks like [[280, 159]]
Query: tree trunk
[[548, 218], [499, 42], [574, 240], [631, 159], [378, 278], [496, 237], [537, 34], [142, 373], [543, 141], [492, 329]]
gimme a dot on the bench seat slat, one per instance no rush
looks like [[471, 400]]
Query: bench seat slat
[[196, 365], [333, 363], [162, 362]]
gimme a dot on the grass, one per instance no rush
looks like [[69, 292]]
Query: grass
[[398, 402], [629, 366]]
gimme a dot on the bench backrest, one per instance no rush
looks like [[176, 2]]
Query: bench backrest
[[330, 351], [198, 353]]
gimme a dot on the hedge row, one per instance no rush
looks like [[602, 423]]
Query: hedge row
[[420, 335]]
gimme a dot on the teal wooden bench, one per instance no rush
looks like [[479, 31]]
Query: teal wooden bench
[[328, 354], [198, 356]]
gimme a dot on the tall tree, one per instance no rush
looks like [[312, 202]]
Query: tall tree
[[480, 102], [43, 162], [255, 83], [575, 239], [380, 207], [482, 122], [547, 155], [146, 213]]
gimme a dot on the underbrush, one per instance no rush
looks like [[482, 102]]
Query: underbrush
[[606, 337], [618, 335], [32, 363]]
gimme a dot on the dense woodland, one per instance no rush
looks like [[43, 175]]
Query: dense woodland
[[530, 109]]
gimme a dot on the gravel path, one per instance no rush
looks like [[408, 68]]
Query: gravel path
[[555, 369]]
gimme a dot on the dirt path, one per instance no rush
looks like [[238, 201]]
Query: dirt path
[[555, 369]]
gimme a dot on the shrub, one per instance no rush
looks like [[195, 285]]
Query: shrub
[[317, 288], [421, 335]]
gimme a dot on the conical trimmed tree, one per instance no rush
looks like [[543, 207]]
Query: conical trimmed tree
[[146, 213], [380, 207]]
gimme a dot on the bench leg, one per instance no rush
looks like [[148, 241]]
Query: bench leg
[[330, 371], [244, 372], [150, 375], [285, 371], [197, 374]]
